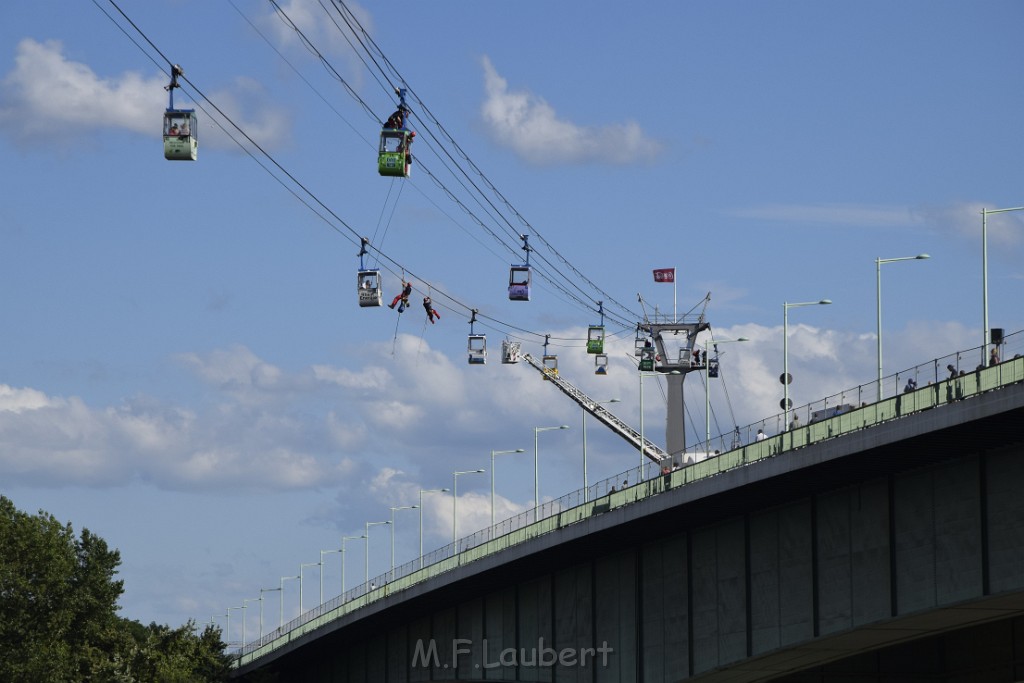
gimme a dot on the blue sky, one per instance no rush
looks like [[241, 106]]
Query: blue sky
[[186, 372]]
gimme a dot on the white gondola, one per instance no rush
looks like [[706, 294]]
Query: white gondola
[[477, 349], [642, 342], [370, 289], [511, 351], [601, 364]]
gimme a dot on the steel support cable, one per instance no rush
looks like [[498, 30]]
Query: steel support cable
[[319, 55], [313, 50], [355, 238], [298, 73], [477, 170], [212, 118]]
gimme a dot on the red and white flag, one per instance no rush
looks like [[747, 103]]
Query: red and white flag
[[664, 274]]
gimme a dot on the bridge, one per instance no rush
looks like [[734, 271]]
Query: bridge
[[881, 544]]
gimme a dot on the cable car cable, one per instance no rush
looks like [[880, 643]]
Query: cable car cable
[[354, 236]]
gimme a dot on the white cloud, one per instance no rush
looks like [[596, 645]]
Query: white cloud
[[262, 427], [851, 215], [528, 125], [47, 98], [961, 220], [964, 220], [330, 32]]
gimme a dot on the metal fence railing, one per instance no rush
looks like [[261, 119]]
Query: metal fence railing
[[943, 380]]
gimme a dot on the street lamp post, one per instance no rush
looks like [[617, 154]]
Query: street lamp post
[[707, 386], [262, 591], [229, 621], [586, 484], [343, 539], [422, 491], [283, 579], [536, 461], [245, 603], [984, 276], [494, 453], [785, 347], [878, 290], [301, 567], [455, 503], [322, 553], [368, 525], [401, 507]]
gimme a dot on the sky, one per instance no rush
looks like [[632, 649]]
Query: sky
[[186, 372]]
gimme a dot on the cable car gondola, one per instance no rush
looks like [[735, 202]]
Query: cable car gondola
[[370, 293], [549, 360], [601, 364], [181, 140], [394, 157], [510, 351], [595, 333], [519, 277], [647, 359], [477, 344], [368, 282]]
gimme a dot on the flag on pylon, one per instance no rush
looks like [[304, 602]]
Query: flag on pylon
[[664, 274]]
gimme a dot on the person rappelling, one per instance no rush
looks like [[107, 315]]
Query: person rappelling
[[432, 313], [402, 298]]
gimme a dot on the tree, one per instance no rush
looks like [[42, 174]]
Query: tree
[[58, 614]]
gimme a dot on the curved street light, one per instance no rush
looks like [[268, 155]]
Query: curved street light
[[536, 461], [984, 277], [878, 290], [343, 539], [455, 504], [494, 453], [367, 558], [707, 385], [785, 347], [422, 491], [401, 507]]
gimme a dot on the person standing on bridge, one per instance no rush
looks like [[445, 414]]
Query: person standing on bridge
[[795, 424]]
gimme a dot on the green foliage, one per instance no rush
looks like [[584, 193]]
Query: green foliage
[[58, 614]]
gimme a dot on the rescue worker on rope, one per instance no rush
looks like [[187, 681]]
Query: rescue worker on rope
[[431, 312], [403, 297]]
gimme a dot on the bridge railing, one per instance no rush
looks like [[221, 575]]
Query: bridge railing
[[639, 482], [931, 373]]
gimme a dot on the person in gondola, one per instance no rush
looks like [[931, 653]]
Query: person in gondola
[[402, 297], [173, 130], [428, 306], [397, 120]]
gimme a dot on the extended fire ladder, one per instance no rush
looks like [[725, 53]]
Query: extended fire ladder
[[650, 449]]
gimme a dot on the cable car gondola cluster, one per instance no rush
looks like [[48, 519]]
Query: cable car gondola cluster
[[181, 143]]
